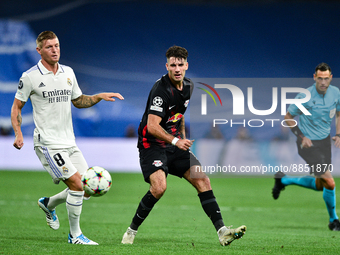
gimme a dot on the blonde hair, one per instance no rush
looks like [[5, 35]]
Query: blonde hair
[[46, 35]]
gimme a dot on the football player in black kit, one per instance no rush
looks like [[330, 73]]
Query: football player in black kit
[[164, 149]]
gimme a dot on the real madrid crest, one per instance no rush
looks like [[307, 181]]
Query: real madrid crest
[[65, 169], [69, 82]]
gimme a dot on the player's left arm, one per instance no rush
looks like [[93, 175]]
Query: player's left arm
[[336, 138], [85, 101], [182, 128]]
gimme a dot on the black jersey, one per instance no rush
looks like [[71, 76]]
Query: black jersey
[[166, 101]]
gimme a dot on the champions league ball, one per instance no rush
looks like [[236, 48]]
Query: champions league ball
[[96, 181]]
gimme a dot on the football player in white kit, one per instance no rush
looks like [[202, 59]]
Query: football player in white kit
[[51, 88]]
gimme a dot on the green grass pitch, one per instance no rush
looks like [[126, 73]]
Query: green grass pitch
[[294, 224]]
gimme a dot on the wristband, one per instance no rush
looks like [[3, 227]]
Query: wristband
[[174, 141], [337, 135], [296, 131]]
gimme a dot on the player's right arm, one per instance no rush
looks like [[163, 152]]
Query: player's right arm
[[305, 141], [155, 129], [16, 123]]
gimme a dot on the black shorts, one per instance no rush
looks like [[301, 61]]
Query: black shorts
[[175, 162], [318, 157]]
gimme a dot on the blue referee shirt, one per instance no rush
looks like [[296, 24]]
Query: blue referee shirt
[[322, 107]]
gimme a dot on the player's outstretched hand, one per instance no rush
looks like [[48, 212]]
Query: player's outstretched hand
[[110, 96], [336, 140], [184, 144]]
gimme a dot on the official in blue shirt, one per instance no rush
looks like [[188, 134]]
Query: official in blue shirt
[[322, 107], [314, 142]]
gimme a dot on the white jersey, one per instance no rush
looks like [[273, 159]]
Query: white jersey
[[51, 96]]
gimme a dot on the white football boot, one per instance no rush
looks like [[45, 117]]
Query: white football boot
[[129, 236], [51, 216], [226, 234], [81, 239]]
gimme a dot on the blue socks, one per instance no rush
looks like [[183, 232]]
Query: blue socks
[[309, 182], [305, 181], [329, 197]]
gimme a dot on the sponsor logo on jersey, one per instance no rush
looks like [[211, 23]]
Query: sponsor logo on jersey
[[57, 92], [21, 84], [186, 103], [69, 82], [157, 163], [175, 117], [42, 85], [57, 95]]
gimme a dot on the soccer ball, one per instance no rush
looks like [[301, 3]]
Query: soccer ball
[[96, 181]]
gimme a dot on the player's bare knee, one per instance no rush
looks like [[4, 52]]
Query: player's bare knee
[[329, 183], [158, 191], [206, 182], [202, 184]]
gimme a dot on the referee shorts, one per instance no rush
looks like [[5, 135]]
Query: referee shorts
[[61, 164], [318, 157], [175, 162]]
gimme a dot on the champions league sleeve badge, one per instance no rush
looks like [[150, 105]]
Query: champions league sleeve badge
[[157, 103], [21, 84]]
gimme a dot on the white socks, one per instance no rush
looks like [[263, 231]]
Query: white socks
[[74, 203], [57, 199]]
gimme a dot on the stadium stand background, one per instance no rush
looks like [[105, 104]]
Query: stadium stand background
[[120, 46]]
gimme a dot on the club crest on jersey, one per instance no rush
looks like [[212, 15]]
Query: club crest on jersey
[[186, 103], [69, 82], [175, 117], [65, 169], [157, 163]]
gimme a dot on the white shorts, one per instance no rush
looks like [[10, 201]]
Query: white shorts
[[61, 164]]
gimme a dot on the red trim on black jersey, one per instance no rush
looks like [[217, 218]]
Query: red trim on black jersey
[[161, 142], [173, 130], [146, 144]]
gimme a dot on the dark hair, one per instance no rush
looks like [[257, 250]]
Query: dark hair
[[323, 67], [46, 35], [177, 52]]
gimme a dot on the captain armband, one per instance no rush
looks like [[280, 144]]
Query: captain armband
[[296, 131]]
